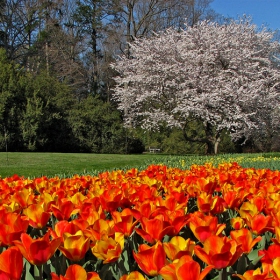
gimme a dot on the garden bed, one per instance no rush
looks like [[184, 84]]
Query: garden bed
[[159, 223]]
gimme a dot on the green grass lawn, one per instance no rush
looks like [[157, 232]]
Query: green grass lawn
[[66, 164]]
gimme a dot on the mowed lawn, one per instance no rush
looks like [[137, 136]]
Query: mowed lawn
[[67, 164]]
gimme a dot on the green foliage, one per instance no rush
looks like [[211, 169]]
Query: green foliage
[[175, 143], [12, 82], [44, 125], [226, 145], [97, 128], [271, 155], [39, 113]]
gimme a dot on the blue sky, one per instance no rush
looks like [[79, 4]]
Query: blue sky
[[262, 11]]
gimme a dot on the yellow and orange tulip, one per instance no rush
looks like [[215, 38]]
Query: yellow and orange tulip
[[178, 247], [204, 226], [64, 209], [256, 274], [134, 275], [218, 251], [184, 268], [76, 272], [245, 238], [37, 216], [150, 259], [109, 249], [74, 246]]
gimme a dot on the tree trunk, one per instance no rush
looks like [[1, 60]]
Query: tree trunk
[[128, 28], [210, 148], [213, 139], [216, 145], [94, 24]]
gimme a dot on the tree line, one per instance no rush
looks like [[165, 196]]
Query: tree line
[[57, 79]]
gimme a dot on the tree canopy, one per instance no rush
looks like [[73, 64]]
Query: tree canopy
[[225, 76]]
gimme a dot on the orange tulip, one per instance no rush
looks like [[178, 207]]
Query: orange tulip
[[76, 272], [11, 264], [74, 246], [259, 223], [23, 197], [134, 275], [178, 247], [233, 199], [219, 205], [272, 205], [204, 226], [71, 227], [205, 202], [184, 268], [259, 201], [90, 214], [150, 259], [99, 228], [268, 256], [37, 251], [12, 225], [109, 249], [218, 251], [143, 209], [38, 217], [124, 222], [254, 275], [245, 238], [177, 219], [205, 183], [46, 199], [64, 209], [276, 240], [142, 193], [169, 201], [153, 230], [111, 199]]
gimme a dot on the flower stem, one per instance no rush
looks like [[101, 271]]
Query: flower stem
[[223, 274], [38, 272]]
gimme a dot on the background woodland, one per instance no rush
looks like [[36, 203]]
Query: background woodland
[[57, 80]]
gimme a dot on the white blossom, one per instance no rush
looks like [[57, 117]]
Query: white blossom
[[222, 75]]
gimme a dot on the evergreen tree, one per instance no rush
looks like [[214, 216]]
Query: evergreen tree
[[12, 103]]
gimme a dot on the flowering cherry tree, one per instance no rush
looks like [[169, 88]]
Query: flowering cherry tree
[[224, 76]]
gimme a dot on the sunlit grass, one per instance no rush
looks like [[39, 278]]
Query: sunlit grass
[[66, 165]]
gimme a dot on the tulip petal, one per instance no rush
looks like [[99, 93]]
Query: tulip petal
[[221, 260], [189, 271], [168, 272], [11, 262], [76, 272], [200, 253]]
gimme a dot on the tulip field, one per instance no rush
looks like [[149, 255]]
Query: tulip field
[[201, 221]]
